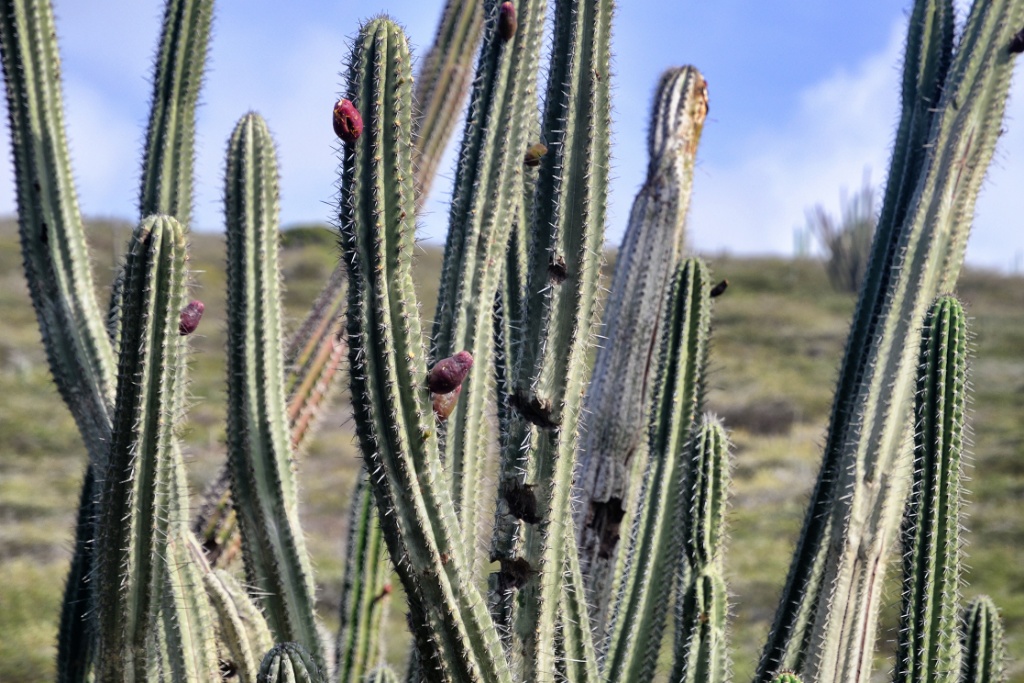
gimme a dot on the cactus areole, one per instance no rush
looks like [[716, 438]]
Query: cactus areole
[[348, 123]]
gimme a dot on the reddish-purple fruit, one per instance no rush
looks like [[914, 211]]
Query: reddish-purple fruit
[[533, 154], [444, 404], [190, 317], [348, 124], [507, 21], [449, 373]]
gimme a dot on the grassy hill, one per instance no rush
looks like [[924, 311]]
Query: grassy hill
[[778, 337]]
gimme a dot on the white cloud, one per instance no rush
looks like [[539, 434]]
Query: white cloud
[[835, 130]]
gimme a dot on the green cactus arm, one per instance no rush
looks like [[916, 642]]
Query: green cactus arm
[[167, 166], [485, 204], [701, 650], [638, 617], [927, 55], [186, 615], [140, 482], [259, 451], [388, 369], [241, 628], [76, 646], [364, 589], [382, 674], [53, 243], [441, 87], [290, 663], [618, 401], [551, 368], [580, 657], [984, 650], [861, 484], [928, 643]]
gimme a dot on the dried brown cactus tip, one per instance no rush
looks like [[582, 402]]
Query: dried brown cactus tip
[[449, 373], [348, 123], [190, 316]]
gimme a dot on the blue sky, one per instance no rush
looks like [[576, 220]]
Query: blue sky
[[803, 103]]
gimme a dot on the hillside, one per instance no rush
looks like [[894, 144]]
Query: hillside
[[779, 332]]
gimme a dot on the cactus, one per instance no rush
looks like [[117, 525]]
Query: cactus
[[613, 448], [983, 648], [825, 625], [527, 217], [701, 649], [289, 662], [929, 646], [657, 539]]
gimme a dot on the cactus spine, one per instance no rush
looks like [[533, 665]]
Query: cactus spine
[[613, 449], [929, 645], [984, 651]]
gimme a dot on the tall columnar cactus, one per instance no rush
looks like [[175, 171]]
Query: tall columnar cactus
[[365, 590], [144, 575], [657, 538], [929, 645], [826, 623], [613, 446], [701, 649], [984, 652], [528, 215], [259, 447]]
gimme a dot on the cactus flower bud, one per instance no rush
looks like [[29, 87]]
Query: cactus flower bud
[[348, 124], [507, 22], [533, 154], [444, 404], [449, 373], [190, 317]]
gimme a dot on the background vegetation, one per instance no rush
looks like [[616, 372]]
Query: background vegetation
[[779, 331]]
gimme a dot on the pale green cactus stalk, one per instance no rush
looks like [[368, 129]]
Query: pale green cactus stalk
[[144, 576], [929, 644], [657, 538], [441, 87], [829, 633], [613, 449], [259, 448], [365, 590], [701, 648], [984, 650], [381, 674], [486, 201], [390, 400], [290, 663], [241, 627]]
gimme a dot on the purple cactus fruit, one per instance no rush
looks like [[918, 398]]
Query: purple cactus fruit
[[190, 317], [719, 289], [449, 373], [348, 124], [507, 21], [444, 404]]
